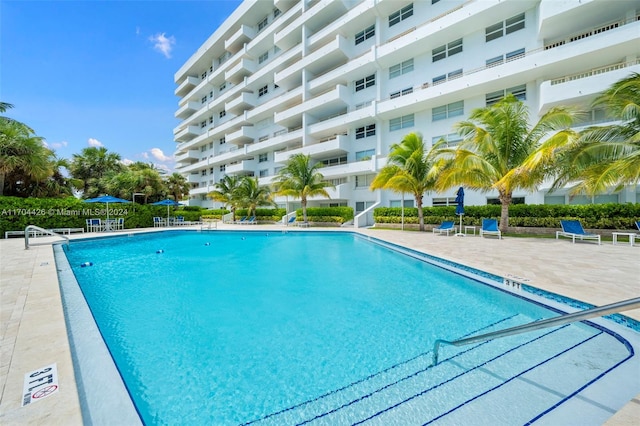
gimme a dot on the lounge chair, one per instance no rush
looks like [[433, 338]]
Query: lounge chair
[[119, 225], [638, 224], [446, 226], [291, 220], [573, 229], [241, 221], [490, 227], [252, 221], [159, 221]]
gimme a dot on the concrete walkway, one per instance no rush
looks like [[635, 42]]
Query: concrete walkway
[[33, 332]]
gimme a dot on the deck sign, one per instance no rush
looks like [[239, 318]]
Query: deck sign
[[39, 384]]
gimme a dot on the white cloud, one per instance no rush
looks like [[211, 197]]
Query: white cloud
[[145, 155], [163, 44], [126, 161], [56, 145], [94, 142], [159, 155]]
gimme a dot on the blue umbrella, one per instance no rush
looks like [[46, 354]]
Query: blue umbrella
[[169, 203], [460, 207], [106, 199]]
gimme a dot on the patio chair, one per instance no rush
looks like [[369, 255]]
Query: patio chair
[[446, 226], [251, 221], [94, 225], [119, 225], [179, 220], [638, 224], [158, 222], [241, 221], [490, 227], [291, 220], [573, 229]]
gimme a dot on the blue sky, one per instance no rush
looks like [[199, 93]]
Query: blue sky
[[100, 73]]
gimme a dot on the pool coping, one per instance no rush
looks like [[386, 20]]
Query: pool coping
[[40, 276]]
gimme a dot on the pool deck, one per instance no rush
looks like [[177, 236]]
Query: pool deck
[[33, 333]]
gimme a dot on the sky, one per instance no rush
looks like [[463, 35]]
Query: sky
[[100, 73]]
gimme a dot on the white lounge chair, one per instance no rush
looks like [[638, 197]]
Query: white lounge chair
[[573, 229], [446, 226], [490, 227]]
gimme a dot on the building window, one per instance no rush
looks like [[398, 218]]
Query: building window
[[401, 122], [494, 61], [401, 93], [366, 131], [204, 75], [365, 155], [446, 50], [450, 140], [263, 90], [363, 181], [276, 13], [444, 201], [398, 203], [223, 141], [203, 172], [365, 82], [516, 54], [263, 57], [335, 161], [401, 15], [263, 24], [203, 124], [203, 148], [222, 168], [203, 100], [509, 26], [222, 113], [263, 173], [520, 92], [365, 34], [401, 68], [447, 111], [211, 119], [263, 157]]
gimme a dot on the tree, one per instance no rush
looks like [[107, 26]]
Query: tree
[[501, 152], [299, 179], [607, 157], [137, 177], [94, 166], [251, 195], [177, 186], [23, 158], [410, 168], [227, 192]]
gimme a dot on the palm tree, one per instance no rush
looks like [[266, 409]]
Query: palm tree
[[501, 152], [94, 165], [299, 179], [137, 177], [177, 186], [607, 157], [23, 158], [226, 192], [410, 169], [252, 195]]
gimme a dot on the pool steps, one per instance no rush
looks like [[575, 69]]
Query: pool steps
[[418, 393]]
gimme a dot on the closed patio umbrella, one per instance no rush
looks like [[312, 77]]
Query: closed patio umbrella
[[460, 208]]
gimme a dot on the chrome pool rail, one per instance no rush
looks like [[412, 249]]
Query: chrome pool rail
[[30, 228], [612, 308]]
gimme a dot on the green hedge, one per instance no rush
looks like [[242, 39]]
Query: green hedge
[[16, 213], [326, 214], [263, 215], [594, 216]]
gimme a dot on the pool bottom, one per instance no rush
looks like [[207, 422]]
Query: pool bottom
[[100, 403]]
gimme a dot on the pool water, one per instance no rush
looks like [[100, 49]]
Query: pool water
[[328, 328]]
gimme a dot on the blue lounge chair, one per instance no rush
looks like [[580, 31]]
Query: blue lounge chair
[[241, 221], [291, 220], [446, 226], [490, 227], [638, 224], [251, 221], [573, 229]]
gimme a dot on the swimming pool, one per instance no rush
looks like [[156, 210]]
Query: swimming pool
[[288, 328]]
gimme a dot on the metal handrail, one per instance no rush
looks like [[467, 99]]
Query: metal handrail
[[42, 230], [624, 305]]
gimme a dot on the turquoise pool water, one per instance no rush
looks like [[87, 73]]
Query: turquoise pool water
[[233, 328]]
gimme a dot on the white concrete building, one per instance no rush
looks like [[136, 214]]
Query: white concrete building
[[342, 80]]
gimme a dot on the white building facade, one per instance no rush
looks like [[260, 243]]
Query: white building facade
[[343, 80]]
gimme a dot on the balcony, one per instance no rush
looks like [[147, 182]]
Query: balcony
[[325, 58], [193, 178], [245, 101], [581, 87], [244, 167], [244, 35], [336, 145], [187, 109], [238, 72], [277, 141], [187, 84], [343, 191], [284, 5], [241, 137], [187, 133], [341, 123], [192, 154]]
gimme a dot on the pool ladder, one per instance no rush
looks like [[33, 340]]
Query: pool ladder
[[624, 305]]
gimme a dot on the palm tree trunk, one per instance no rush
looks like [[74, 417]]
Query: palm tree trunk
[[420, 212], [304, 209], [1, 183], [505, 201]]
